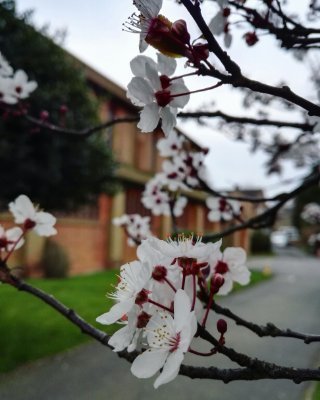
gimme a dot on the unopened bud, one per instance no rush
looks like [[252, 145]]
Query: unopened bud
[[216, 282], [44, 115], [179, 28], [63, 109], [222, 326], [226, 12], [251, 38]]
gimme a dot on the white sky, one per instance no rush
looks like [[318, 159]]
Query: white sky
[[94, 34]]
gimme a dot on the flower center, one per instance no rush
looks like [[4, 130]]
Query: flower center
[[3, 242], [142, 297], [163, 97], [159, 273], [221, 267], [174, 342], [143, 319], [29, 224]]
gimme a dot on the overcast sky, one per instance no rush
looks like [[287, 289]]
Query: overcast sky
[[94, 34]]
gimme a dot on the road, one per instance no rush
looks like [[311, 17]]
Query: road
[[92, 372]]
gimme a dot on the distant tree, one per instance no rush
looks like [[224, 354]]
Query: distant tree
[[57, 171]]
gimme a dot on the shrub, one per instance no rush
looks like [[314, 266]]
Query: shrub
[[55, 261], [260, 243]]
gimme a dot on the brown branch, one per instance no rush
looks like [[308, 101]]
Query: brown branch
[[235, 77], [79, 133], [254, 370], [267, 218], [246, 120], [265, 330]]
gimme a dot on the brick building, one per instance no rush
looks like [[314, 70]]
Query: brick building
[[90, 239]]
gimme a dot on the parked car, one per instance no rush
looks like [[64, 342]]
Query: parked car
[[284, 236], [279, 239]]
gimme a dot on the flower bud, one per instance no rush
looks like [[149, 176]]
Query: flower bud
[[222, 326], [226, 12], [63, 109], [44, 115], [179, 28], [251, 38], [216, 282]]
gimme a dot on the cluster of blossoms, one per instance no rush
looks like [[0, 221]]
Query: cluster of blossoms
[[314, 240], [156, 299], [137, 227], [184, 170], [222, 209], [28, 216], [311, 213], [14, 86]]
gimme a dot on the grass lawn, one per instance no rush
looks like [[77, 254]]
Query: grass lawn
[[31, 330], [316, 394]]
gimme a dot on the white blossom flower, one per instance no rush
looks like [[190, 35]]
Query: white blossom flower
[[128, 336], [311, 213], [222, 209], [159, 96], [149, 10], [155, 198], [173, 175], [136, 226], [25, 213], [22, 86], [231, 265], [169, 339], [5, 68], [186, 247], [11, 239], [131, 290], [7, 94], [179, 206], [170, 146]]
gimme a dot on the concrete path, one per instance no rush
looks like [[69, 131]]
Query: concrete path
[[92, 372]]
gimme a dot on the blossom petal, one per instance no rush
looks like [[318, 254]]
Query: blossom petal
[[169, 120], [121, 339], [149, 118], [148, 363], [227, 286], [170, 369], [138, 65], [148, 8], [214, 216], [216, 25], [152, 75], [166, 65], [182, 308], [141, 90], [241, 275], [178, 88], [116, 312], [235, 255], [22, 209]]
